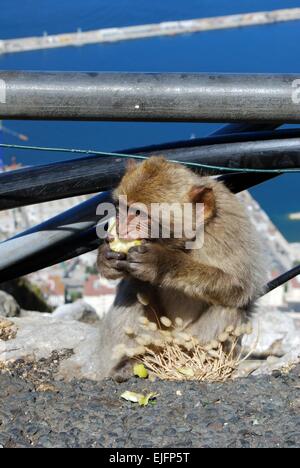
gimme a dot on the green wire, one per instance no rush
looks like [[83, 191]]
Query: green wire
[[135, 156]]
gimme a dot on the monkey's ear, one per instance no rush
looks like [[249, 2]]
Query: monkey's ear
[[205, 195]]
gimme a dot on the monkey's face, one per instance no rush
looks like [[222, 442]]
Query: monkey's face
[[158, 200], [151, 222]]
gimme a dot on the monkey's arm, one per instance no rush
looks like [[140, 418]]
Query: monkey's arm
[[180, 271]]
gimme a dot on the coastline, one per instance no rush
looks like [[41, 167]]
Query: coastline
[[166, 28]]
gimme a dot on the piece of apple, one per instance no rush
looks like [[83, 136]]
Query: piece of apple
[[118, 245]]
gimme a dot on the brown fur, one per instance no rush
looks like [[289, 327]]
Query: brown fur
[[209, 288]]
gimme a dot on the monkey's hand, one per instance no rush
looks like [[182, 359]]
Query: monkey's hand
[[108, 263], [144, 262]]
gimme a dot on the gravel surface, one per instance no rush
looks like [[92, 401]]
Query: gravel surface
[[38, 411]]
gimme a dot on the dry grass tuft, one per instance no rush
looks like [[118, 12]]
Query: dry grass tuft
[[173, 354]]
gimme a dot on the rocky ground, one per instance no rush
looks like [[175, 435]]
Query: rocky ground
[[38, 411], [51, 395]]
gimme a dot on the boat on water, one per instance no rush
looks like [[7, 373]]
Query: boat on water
[[294, 216]]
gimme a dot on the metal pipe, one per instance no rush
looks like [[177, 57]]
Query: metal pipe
[[150, 97], [244, 127], [282, 279], [98, 173], [37, 247]]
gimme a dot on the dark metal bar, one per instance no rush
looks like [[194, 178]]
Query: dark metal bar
[[239, 182], [149, 97], [98, 173], [245, 127], [220, 137], [40, 246], [282, 279], [62, 250]]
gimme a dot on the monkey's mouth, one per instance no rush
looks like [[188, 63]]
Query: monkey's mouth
[[120, 245]]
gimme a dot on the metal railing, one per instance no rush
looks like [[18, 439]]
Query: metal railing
[[250, 152]]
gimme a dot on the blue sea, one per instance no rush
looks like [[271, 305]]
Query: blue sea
[[267, 49]]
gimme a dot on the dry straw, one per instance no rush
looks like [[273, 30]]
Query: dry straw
[[170, 353]]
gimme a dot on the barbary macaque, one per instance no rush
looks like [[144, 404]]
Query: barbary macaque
[[209, 287]]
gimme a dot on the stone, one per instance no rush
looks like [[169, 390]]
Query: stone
[[38, 337], [274, 334], [28, 295], [8, 306], [274, 343], [246, 368], [78, 310], [284, 364]]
